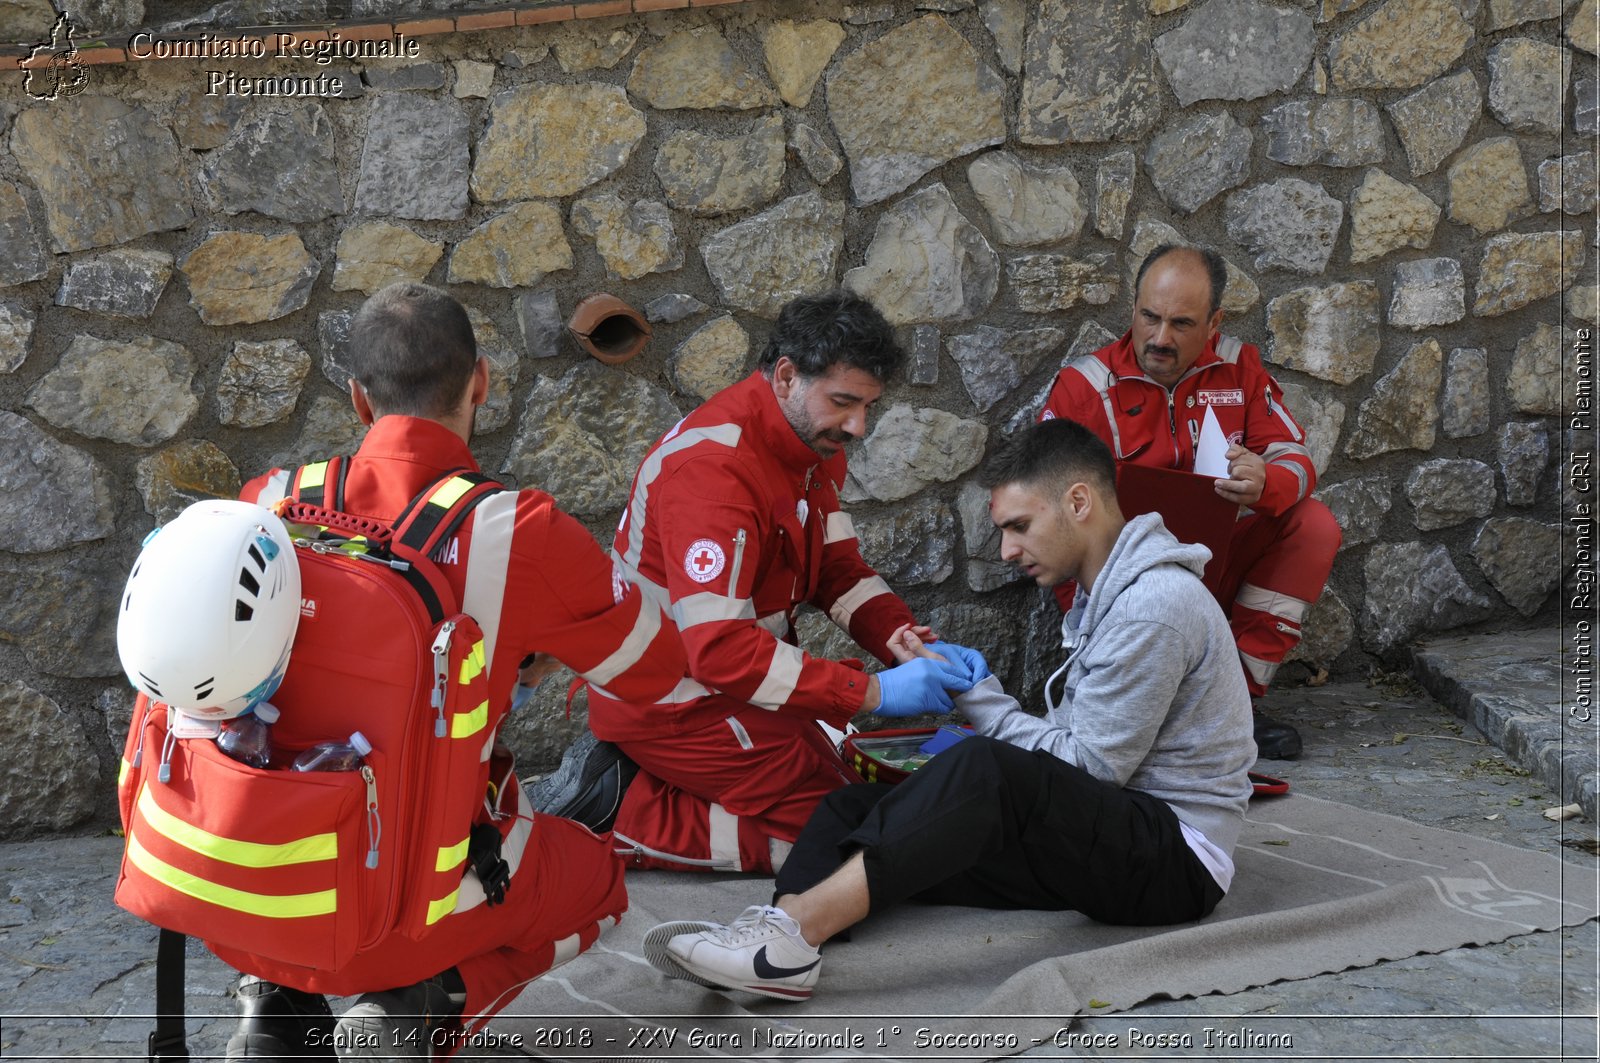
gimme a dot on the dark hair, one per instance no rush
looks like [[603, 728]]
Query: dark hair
[[1216, 269], [412, 350], [1052, 455], [815, 332]]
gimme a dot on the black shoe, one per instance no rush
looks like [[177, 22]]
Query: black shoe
[[277, 1022], [405, 1023], [588, 786], [1276, 740]]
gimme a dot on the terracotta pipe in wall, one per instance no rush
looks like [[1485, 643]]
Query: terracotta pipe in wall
[[609, 328]]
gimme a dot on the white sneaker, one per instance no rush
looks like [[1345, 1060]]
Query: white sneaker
[[762, 953], [655, 949]]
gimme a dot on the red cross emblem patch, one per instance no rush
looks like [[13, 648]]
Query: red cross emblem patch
[[703, 561]]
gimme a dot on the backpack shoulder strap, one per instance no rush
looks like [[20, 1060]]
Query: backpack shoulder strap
[[439, 509], [407, 543], [435, 513], [321, 483]]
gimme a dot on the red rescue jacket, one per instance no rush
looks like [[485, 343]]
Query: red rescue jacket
[[733, 521], [532, 576], [1144, 423]]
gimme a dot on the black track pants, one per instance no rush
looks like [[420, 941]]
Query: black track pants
[[990, 825]]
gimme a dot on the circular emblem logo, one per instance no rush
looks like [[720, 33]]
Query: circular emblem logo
[[704, 560]]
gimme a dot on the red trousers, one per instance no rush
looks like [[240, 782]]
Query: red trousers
[[567, 890], [1277, 567], [717, 798]]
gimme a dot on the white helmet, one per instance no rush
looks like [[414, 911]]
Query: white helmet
[[210, 610]]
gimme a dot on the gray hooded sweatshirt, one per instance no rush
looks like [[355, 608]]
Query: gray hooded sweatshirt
[[1155, 699]]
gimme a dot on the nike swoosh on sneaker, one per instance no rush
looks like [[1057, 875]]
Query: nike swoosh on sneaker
[[764, 969]]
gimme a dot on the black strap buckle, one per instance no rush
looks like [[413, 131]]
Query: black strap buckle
[[483, 852], [172, 1046]]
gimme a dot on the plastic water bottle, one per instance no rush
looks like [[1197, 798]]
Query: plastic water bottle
[[335, 756], [248, 738]]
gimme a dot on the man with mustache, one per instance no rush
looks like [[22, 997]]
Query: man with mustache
[[1146, 397], [734, 521]]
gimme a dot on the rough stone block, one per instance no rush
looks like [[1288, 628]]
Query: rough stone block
[[1489, 185], [1524, 454], [1400, 44], [1445, 492], [414, 160], [1359, 505], [1403, 409], [1521, 559], [1427, 292], [697, 69], [1528, 84], [1329, 332], [1027, 204], [122, 283], [136, 391], [1236, 50], [1466, 393], [790, 249], [1386, 215], [1088, 73], [1288, 223], [889, 101], [1434, 120], [56, 494], [927, 262], [910, 449], [1198, 160]]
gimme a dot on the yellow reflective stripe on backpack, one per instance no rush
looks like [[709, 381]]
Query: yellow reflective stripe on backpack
[[313, 475], [447, 493], [451, 856], [442, 907], [472, 665], [467, 724], [310, 849], [290, 906]]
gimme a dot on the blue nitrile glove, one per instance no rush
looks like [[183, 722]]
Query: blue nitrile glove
[[919, 686], [971, 660]]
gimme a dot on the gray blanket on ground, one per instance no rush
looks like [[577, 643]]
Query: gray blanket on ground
[[1321, 887]]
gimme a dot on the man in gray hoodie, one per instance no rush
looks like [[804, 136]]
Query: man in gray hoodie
[[1124, 801]]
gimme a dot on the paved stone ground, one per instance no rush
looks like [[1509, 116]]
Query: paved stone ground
[[76, 974], [1390, 747], [1508, 686]]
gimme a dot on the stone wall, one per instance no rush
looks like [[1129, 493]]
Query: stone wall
[[1404, 191]]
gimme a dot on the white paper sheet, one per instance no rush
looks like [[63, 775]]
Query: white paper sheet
[[1211, 456]]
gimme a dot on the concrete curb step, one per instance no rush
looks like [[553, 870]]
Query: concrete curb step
[[1509, 686]]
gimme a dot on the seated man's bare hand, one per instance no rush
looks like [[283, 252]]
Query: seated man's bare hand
[[1247, 476], [908, 643], [960, 657], [900, 649]]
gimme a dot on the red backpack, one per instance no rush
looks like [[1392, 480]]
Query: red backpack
[[309, 868]]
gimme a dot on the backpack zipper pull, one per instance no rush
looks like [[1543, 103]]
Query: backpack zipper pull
[[441, 673], [374, 823], [398, 566], [138, 748], [168, 744]]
